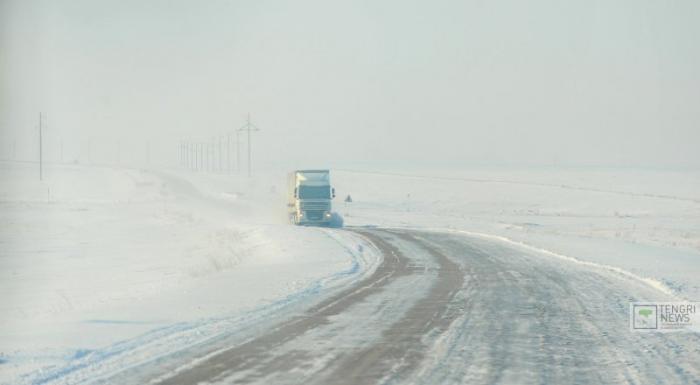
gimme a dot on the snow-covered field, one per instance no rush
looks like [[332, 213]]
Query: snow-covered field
[[646, 222], [108, 267], [95, 258]]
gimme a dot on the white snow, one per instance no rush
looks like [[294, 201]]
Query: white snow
[[643, 222], [103, 268], [93, 256]]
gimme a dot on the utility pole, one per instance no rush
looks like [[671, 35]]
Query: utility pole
[[249, 127], [221, 167], [238, 151], [190, 157], [210, 155], [201, 157], [186, 149], [41, 147], [228, 152]]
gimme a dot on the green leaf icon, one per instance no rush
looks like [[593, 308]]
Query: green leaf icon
[[645, 312]]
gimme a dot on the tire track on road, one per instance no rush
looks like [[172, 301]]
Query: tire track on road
[[403, 344], [257, 355], [452, 309]]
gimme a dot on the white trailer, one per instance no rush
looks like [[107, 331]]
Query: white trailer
[[310, 195]]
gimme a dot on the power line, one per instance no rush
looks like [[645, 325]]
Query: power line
[[213, 155], [249, 128]]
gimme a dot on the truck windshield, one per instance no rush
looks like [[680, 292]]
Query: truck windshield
[[314, 192]]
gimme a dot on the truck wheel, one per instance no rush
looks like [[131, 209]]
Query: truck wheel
[[336, 221]]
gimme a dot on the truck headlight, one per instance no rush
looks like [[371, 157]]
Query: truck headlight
[[327, 215]]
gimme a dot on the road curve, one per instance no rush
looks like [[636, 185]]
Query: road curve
[[444, 308]]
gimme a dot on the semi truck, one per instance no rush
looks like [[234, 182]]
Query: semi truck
[[310, 195]]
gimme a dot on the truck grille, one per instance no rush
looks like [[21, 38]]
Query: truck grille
[[315, 206], [314, 211], [314, 215]]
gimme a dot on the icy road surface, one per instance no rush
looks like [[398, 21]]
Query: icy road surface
[[446, 308]]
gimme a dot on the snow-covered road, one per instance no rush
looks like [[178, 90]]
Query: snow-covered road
[[135, 276], [446, 308]]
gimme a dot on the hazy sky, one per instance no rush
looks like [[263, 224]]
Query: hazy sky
[[460, 82]]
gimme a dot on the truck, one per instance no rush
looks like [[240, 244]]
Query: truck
[[310, 195]]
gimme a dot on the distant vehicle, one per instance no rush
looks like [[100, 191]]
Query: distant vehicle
[[310, 195]]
